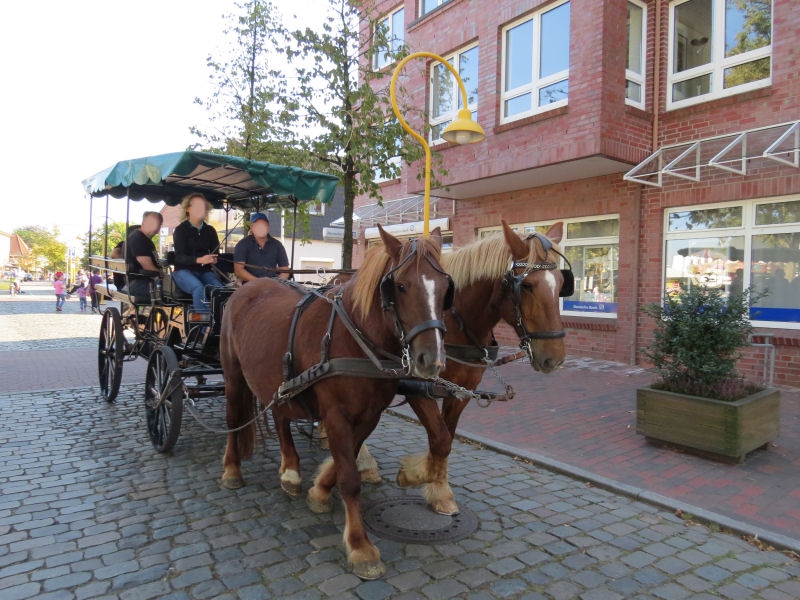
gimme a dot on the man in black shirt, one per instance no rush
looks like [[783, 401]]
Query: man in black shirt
[[196, 245], [141, 258], [259, 254]]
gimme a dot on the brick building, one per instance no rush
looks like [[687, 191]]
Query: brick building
[[664, 133]]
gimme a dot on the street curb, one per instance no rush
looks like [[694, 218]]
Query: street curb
[[779, 541]]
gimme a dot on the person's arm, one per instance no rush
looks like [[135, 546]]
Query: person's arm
[[241, 273], [147, 263], [283, 264]]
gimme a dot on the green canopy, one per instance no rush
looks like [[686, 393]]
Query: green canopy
[[242, 182]]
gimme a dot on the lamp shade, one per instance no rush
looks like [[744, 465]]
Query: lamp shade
[[464, 130]]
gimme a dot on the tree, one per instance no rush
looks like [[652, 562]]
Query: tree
[[116, 233], [44, 244], [331, 113]]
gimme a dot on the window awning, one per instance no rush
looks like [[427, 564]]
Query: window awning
[[733, 152], [403, 210]]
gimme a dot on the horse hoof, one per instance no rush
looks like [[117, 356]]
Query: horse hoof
[[292, 489], [232, 483], [369, 570], [370, 476], [318, 506], [402, 480], [448, 508]]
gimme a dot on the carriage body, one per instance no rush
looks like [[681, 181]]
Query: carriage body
[[182, 352]]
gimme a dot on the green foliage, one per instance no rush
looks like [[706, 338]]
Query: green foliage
[[44, 244], [697, 341], [116, 233]]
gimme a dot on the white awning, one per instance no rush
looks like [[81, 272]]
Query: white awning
[[733, 152], [403, 210]]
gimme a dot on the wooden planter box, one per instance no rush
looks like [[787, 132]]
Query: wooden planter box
[[721, 430]]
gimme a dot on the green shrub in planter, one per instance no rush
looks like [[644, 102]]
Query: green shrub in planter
[[697, 342]]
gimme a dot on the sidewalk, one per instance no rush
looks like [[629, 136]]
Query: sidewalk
[[581, 420]]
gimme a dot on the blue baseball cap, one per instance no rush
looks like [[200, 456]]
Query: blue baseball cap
[[256, 216]]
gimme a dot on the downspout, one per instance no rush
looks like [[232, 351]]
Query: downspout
[[656, 74]]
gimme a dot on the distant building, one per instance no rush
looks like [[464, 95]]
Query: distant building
[[665, 134]]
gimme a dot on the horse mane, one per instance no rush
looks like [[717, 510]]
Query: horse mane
[[487, 258], [368, 278]]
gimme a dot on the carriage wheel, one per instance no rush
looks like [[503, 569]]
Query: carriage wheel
[[163, 399], [157, 328], [110, 348]]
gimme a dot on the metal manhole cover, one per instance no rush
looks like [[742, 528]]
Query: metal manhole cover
[[404, 519]]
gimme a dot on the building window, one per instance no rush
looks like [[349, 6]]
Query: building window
[[391, 38], [733, 246], [634, 68], [427, 6], [591, 245], [718, 48], [536, 63], [445, 94]]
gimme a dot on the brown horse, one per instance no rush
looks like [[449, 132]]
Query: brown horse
[[497, 278], [394, 304]]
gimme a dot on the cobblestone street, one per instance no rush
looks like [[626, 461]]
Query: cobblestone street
[[89, 510]]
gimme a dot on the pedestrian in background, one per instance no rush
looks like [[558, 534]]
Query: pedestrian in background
[[95, 280], [82, 293], [59, 288]]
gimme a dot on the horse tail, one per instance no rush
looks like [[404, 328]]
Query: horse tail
[[246, 440]]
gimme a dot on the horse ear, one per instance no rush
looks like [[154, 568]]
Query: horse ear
[[437, 235], [556, 232], [392, 244], [519, 249]]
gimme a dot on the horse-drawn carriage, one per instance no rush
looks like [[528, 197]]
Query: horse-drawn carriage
[[339, 355], [182, 349]]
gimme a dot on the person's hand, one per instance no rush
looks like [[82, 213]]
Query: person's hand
[[208, 259]]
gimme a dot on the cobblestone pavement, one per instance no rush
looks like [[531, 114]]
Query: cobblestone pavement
[[90, 510]]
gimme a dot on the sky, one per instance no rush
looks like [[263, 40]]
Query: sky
[[91, 82]]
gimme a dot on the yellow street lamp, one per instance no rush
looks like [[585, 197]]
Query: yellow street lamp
[[461, 131]]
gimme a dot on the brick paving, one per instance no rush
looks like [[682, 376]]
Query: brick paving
[[89, 510]]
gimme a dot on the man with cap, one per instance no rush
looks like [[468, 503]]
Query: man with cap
[[259, 254]]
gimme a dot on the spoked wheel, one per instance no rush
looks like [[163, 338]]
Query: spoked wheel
[[157, 328], [110, 349], [163, 399]]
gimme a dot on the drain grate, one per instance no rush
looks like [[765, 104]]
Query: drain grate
[[405, 519]]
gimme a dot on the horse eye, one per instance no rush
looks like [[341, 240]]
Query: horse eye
[[401, 288], [527, 287]]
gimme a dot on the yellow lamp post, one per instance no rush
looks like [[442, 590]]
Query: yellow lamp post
[[461, 131]]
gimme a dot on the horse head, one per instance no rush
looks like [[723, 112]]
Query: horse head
[[415, 291], [535, 284]]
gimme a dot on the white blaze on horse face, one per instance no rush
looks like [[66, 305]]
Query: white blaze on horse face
[[430, 287], [551, 281]]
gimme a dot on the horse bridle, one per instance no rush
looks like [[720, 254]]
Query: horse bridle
[[388, 301], [515, 283]]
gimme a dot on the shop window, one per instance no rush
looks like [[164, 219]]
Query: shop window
[[718, 48], [634, 68], [536, 63], [592, 247], [391, 38], [445, 95], [755, 243]]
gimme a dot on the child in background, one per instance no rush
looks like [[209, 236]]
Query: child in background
[[83, 291], [58, 286]]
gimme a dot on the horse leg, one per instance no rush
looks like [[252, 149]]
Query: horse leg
[[430, 468], [364, 557], [290, 461], [319, 496], [240, 407]]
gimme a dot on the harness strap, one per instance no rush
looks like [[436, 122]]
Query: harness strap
[[355, 367]]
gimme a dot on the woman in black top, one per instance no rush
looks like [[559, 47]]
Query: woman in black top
[[196, 245]]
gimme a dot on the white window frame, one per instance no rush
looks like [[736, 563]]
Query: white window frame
[[716, 67], [632, 76], [387, 20], [454, 59], [748, 230], [536, 83], [530, 227], [422, 12]]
